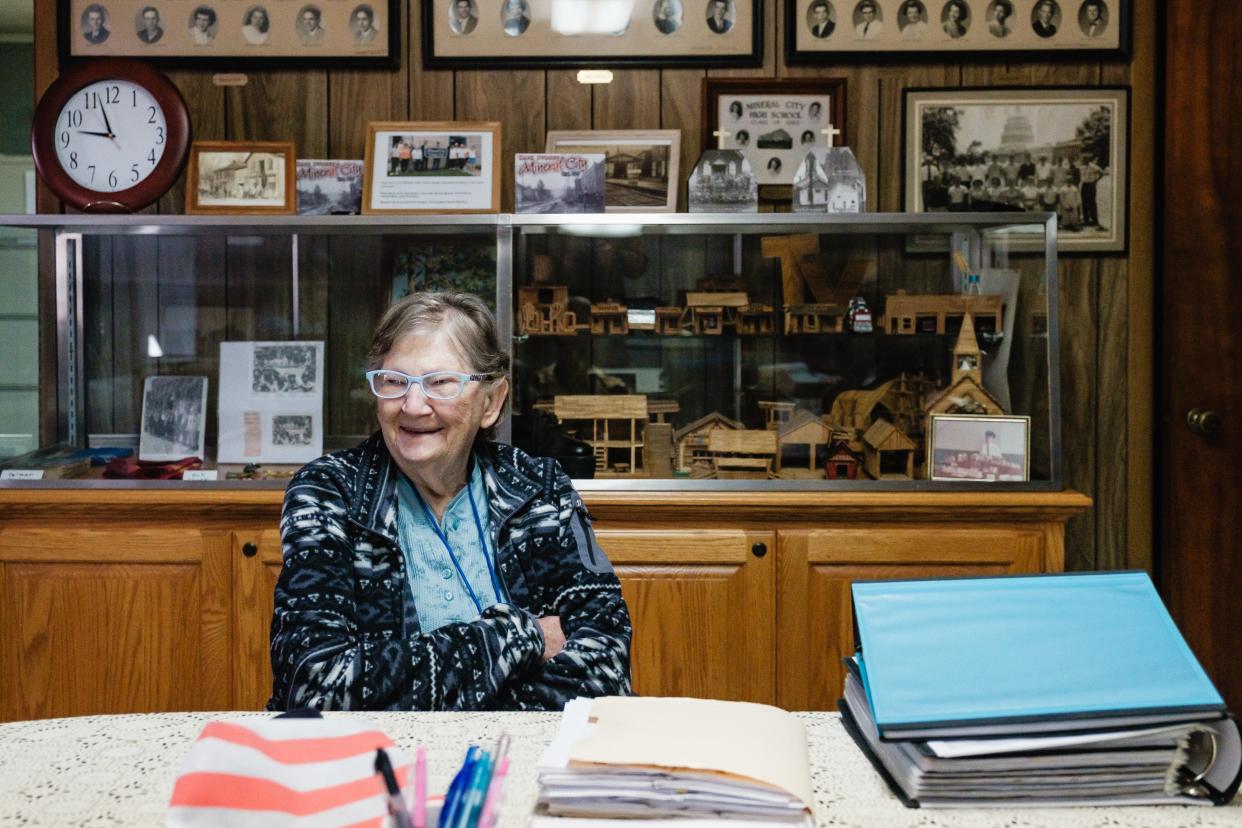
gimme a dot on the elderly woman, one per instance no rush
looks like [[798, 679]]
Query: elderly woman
[[431, 569]]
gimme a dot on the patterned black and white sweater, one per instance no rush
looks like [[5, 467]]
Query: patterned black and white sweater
[[345, 635]]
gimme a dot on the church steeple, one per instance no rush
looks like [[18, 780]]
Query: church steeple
[[967, 358]]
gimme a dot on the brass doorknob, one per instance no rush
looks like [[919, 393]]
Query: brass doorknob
[[1203, 422]]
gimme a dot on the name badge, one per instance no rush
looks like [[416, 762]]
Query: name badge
[[21, 474]]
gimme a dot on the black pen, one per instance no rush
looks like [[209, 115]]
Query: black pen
[[396, 804]]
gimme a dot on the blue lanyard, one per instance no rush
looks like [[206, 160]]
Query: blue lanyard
[[478, 525]]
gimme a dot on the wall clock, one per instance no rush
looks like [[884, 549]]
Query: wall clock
[[110, 136]]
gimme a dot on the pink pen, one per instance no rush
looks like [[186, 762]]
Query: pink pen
[[495, 795], [420, 787]]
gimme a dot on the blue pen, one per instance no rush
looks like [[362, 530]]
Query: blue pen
[[475, 794], [453, 796]]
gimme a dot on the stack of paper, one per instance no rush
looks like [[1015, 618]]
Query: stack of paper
[[657, 757], [1044, 690]]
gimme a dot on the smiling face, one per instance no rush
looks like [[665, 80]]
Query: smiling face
[[913, 15], [955, 12], [259, 19], [94, 19], [310, 21], [1092, 11], [425, 435], [201, 21], [820, 14], [463, 9], [362, 20]]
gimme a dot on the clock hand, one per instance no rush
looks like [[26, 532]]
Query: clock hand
[[107, 123], [100, 134]]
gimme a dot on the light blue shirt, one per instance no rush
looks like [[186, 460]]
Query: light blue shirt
[[440, 597]]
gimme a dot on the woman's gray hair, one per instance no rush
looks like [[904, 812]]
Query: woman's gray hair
[[463, 316]]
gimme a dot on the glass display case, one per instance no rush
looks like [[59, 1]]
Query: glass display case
[[660, 351]]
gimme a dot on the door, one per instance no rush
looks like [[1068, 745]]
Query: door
[[256, 566], [1199, 401]]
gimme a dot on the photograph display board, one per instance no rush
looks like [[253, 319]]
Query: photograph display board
[[640, 166], [432, 167], [174, 413], [465, 34], [271, 402], [233, 32], [1045, 150], [774, 123], [831, 30]]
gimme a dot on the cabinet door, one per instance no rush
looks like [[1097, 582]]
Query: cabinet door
[[815, 622], [702, 605], [257, 561], [122, 620]]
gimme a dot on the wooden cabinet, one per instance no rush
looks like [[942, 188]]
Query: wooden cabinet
[[149, 600]]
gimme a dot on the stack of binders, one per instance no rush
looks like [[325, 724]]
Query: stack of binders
[[669, 757], [1035, 690]]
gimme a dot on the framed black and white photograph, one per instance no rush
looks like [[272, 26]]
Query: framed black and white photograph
[[234, 33], [1015, 150], [270, 405], [640, 166], [994, 448], [432, 167], [829, 31], [174, 415], [558, 183], [241, 178], [774, 123], [471, 34], [329, 188], [722, 182]]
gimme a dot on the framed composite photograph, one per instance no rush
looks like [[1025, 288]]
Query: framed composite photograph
[[640, 166], [174, 416], [233, 33], [1035, 150], [241, 178], [995, 448], [829, 31], [474, 34], [774, 123], [432, 167]]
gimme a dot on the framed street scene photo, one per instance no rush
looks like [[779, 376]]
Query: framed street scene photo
[[329, 187], [961, 447], [640, 165], [241, 178], [231, 33], [774, 123], [823, 31], [473, 34], [174, 416], [432, 167], [1035, 150]]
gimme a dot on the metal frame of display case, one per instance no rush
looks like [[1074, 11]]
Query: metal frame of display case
[[972, 227]]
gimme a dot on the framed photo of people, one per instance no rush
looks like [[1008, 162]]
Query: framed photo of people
[[472, 34], [774, 123], [432, 167], [232, 33], [1036, 150], [821, 31]]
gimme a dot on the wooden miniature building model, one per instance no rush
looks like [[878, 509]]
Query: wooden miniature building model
[[544, 310], [658, 449], [710, 311], [810, 319], [803, 429], [842, 463], [743, 455], [756, 320], [776, 414], [967, 357], [668, 320], [888, 454], [692, 442], [615, 422], [965, 394], [941, 313], [609, 318]]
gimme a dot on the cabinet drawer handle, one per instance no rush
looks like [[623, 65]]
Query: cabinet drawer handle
[[250, 550], [759, 550]]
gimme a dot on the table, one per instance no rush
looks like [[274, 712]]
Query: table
[[119, 770]]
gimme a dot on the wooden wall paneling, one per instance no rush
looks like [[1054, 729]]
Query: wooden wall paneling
[[98, 331], [680, 103], [514, 99], [205, 101], [135, 317], [1078, 283], [356, 97], [46, 68], [289, 105], [631, 101], [772, 46], [567, 103], [431, 92], [1111, 469], [260, 287]]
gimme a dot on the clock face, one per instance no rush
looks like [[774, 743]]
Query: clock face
[[110, 136]]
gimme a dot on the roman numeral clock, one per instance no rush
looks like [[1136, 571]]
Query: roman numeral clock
[[110, 136]]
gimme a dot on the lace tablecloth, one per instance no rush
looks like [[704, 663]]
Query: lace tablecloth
[[118, 771]]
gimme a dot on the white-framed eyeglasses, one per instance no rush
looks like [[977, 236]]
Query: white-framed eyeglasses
[[388, 384]]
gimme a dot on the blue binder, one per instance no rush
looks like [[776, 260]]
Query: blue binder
[[1024, 654]]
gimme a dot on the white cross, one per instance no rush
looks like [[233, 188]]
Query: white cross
[[832, 133], [720, 136]]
